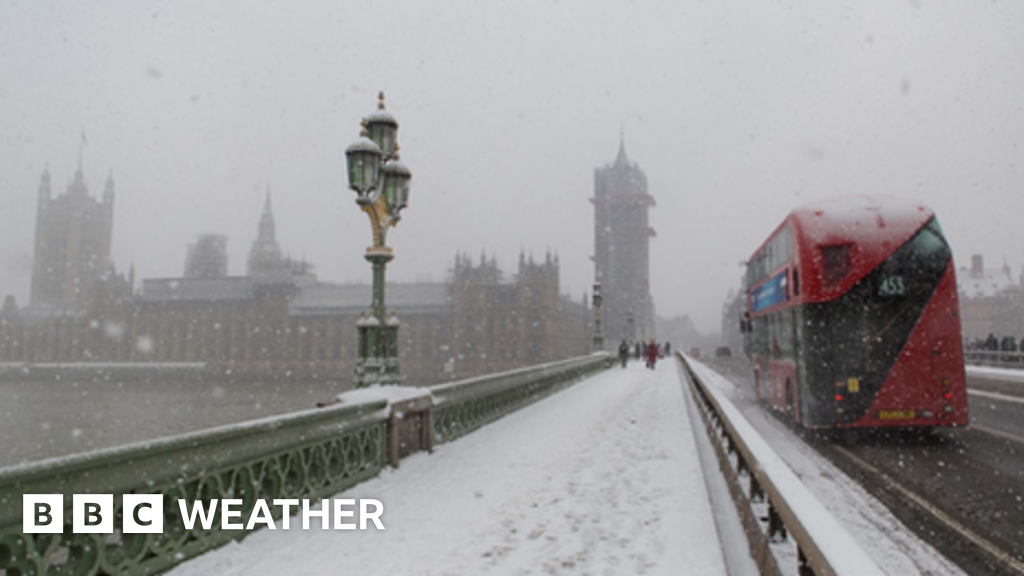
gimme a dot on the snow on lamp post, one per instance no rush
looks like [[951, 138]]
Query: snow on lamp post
[[381, 184]]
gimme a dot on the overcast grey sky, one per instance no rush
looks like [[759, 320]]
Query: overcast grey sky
[[736, 111]]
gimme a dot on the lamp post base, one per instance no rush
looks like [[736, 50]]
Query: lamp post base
[[377, 362], [373, 371]]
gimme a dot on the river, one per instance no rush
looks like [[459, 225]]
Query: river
[[47, 419]]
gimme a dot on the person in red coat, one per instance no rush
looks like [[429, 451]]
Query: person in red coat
[[652, 354]]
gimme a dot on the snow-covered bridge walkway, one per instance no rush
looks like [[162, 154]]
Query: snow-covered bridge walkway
[[603, 477]]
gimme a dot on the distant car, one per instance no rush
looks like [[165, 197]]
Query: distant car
[[723, 351], [693, 352]]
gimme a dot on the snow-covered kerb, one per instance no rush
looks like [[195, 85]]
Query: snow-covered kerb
[[824, 547]]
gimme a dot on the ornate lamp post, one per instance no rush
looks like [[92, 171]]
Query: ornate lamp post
[[598, 333], [381, 184]]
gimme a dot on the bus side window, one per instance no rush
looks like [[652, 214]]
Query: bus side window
[[796, 281]]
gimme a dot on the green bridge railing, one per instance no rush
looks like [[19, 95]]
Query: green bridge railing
[[463, 406], [304, 455]]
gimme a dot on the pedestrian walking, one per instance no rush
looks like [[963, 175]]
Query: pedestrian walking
[[652, 354], [623, 353]]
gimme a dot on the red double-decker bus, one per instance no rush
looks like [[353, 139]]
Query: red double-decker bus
[[852, 317]]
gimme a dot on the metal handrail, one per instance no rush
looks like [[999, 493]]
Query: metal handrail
[[307, 454], [997, 358], [824, 547], [463, 406]]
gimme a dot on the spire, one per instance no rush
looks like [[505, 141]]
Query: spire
[[108, 188], [78, 185], [81, 144], [622, 159], [267, 233], [265, 255], [44, 184]]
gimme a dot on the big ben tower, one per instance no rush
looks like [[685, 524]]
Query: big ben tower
[[622, 249]]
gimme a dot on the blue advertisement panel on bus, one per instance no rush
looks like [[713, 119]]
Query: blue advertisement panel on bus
[[769, 294]]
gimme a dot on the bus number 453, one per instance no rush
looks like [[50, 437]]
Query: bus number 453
[[892, 286]]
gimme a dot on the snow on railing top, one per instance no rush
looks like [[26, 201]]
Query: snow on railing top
[[190, 440], [1015, 376], [106, 365], [450, 387], [830, 549]]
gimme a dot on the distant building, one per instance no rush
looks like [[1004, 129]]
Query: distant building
[[621, 249], [991, 301], [208, 257], [72, 244], [279, 321], [978, 282], [501, 325]]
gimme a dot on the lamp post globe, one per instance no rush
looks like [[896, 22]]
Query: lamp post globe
[[364, 157], [395, 178], [382, 128]]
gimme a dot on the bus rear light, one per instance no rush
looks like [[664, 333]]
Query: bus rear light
[[839, 397], [927, 414], [947, 395], [948, 409]]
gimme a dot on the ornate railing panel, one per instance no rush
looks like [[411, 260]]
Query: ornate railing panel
[[308, 454], [463, 406], [304, 455]]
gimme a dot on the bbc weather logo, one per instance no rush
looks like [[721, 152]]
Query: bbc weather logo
[[92, 513], [144, 513]]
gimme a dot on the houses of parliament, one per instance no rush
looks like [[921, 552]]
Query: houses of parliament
[[278, 321]]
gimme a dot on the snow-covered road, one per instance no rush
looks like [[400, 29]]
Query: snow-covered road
[[895, 548], [602, 478]]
